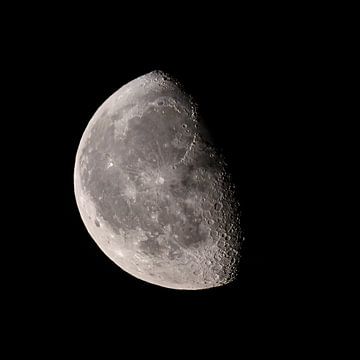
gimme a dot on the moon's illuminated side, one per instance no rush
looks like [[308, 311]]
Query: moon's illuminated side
[[152, 190]]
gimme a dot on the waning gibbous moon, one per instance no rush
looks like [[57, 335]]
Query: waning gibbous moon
[[154, 192]]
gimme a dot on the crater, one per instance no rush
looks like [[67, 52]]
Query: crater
[[217, 206]]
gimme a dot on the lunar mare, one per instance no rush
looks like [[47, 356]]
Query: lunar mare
[[154, 192]]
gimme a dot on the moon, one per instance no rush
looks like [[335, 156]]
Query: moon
[[154, 192]]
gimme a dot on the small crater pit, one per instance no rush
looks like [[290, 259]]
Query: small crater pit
[[217, 206]]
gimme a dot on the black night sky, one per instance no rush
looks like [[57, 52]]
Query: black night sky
[[243, 78]]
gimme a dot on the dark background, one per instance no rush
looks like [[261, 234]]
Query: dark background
[[248, 77]]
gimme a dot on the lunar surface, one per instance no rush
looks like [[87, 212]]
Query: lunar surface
[[154, 192]]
